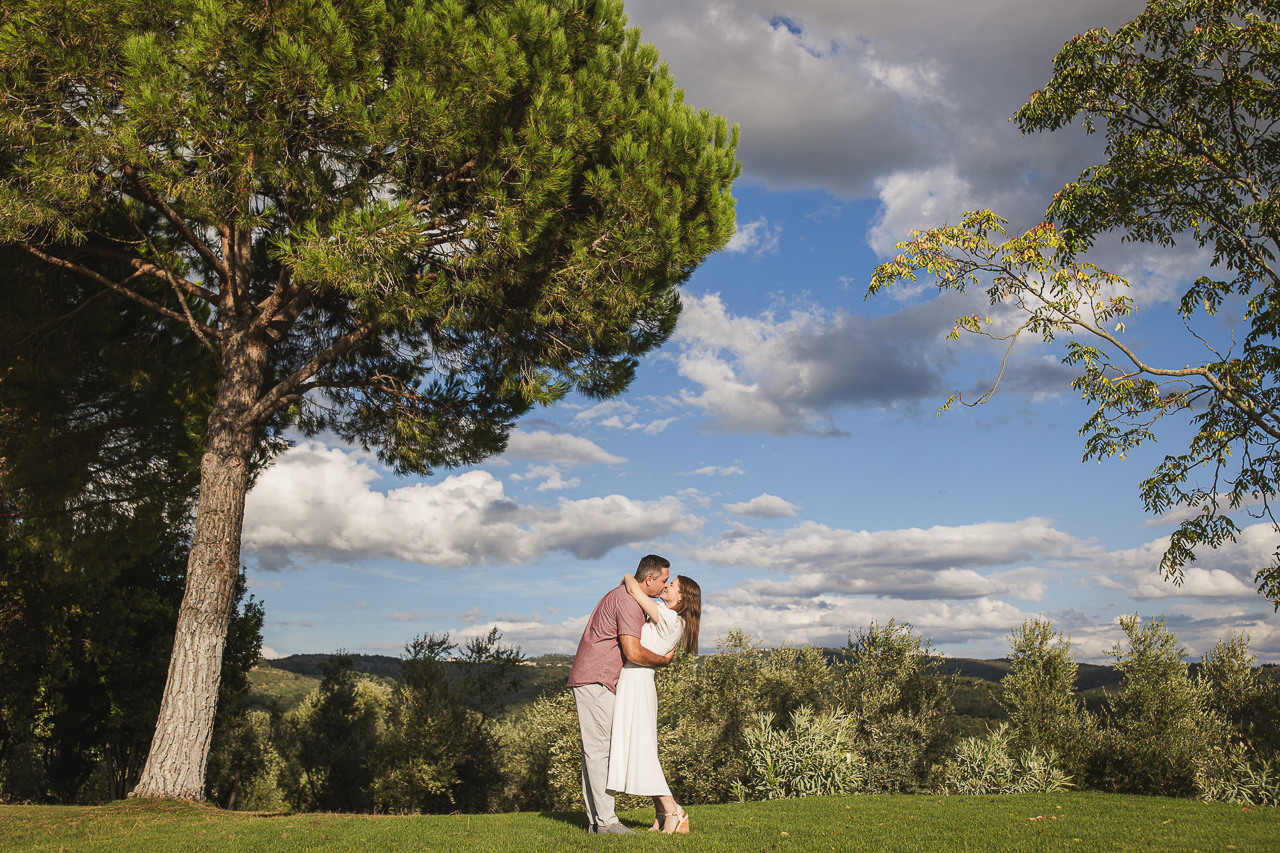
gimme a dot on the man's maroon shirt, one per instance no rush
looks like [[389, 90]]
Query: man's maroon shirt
[[599, 656]]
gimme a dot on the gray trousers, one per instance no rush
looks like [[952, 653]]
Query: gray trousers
[[595, 719]]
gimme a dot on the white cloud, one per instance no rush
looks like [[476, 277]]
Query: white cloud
[[619, 414], [696, 496], [763, 506], [553, 480], [937, 562], [606, 409], [1210, 583], [712, 471], [831, 621], [317, 502], [755, 235], [408, 616], [1227, 570], [270, 654], [560, 448]]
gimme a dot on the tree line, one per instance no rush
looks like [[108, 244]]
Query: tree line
[[745, 723]]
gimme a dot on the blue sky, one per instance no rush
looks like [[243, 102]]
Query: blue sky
[[784, 449]]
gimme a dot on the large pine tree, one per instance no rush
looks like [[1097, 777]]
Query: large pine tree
[[405, 221]]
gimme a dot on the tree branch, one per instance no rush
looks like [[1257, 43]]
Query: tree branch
[[176, 221], [182, 300], [159, 272], [268, 403], [118, 288]]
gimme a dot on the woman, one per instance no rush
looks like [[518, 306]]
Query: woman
[[633, 753]]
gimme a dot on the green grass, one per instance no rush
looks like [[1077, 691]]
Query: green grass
[[1034, 822]]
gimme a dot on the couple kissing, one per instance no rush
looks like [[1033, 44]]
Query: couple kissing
[[627, 637]]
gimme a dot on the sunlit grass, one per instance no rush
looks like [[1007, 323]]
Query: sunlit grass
[[1032, 822]]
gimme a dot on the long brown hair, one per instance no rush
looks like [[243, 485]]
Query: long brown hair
[[690, 611]]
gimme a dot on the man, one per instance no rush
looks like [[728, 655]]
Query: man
[[612, 635]]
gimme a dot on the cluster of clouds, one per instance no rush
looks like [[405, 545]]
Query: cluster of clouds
[[959, 584], [792, 371], [908, 102], [318, 503]]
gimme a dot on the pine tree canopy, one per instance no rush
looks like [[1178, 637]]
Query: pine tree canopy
[[436, 214]]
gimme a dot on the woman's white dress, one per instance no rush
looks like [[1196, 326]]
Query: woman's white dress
[[633, 751]]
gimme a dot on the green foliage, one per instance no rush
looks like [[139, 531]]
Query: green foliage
[[244, 768], [809, 758], [1243, 696], [441, 752], [1163, 736], [439, 213], [1246, 781], [994, 765], [1044, 713], [427, 732], [899, 700], [334, 737], [1186, 97], [101, 415], [705, 706], [542, 755], [82, 665]]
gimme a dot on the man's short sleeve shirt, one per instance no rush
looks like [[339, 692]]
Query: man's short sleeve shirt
[[599, 658]]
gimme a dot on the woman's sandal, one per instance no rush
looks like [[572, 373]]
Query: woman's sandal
[[682, 823]]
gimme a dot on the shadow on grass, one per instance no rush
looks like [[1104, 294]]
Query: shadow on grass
[[578, 820]]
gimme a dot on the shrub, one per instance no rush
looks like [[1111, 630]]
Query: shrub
[[1240, 694], [1246, 781], [899, 701], [244, 763], [426, 733], [994, 765], [1039, 695], [332, 738], [440, 752], [1164, 738], [705, 707], [809, 758], [542, 756]]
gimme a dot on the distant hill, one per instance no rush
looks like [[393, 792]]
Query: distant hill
[[1088, 675], [290, 678], [309, 665]]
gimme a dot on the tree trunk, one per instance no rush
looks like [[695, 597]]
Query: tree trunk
[[175, 765]]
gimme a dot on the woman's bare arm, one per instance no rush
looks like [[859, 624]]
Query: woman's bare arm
[[646, 603]]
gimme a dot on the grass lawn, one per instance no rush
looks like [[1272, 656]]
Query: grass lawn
[[1030, 822]]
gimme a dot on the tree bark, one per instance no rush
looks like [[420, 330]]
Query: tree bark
[[175, 765]]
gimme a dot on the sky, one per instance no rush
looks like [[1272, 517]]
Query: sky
[[785, 448]]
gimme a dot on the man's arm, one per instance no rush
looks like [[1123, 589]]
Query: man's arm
[[636, 653]]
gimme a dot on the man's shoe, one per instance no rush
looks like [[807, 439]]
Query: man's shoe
[[611, 829]]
